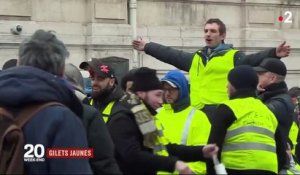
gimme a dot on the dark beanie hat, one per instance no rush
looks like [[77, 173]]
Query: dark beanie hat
[[10, 63], [145, 79], [243, 77], [127, 77]]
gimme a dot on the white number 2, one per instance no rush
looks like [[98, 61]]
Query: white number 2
[[38, 151], [288, 17]]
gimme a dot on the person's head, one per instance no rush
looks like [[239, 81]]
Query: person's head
[[44, 51], [175, 86], [146, 85], [214, 32], [102, 77], [73, 75], [270, 71], [127, 81], [9, 63], [294, 92], [242, 78]]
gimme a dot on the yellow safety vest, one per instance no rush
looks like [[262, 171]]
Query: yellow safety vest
[[249, 142], [107, 110], [293, 134], [160, 148], [208, 82], [188, 127]]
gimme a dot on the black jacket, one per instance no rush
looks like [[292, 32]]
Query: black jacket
[[280, 103], [99, 139], [183, 60], [133, 157], [114, 95]]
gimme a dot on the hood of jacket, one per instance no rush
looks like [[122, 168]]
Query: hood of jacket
[[25, 85], [219, 50], [177, 78]]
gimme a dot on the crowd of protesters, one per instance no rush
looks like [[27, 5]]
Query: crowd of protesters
[[234, 107]]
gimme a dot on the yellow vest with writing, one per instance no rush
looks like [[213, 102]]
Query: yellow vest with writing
[[208, 82], [188, 127], [249, 142]]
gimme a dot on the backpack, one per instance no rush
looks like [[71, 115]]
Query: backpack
[[12, 138]]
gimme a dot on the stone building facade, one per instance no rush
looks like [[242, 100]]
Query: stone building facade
[[100, 28]]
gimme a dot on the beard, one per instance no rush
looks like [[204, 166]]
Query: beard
[[102, 94]]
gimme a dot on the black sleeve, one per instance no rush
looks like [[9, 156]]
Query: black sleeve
[[220, 121], [128, 143], [180, 59], [99, 139], [254, 59], [282, 132], [186, 153]]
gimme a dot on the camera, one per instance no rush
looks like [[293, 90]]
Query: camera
[[16, 29]]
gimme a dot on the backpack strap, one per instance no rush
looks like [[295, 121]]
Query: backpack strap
[[11, 145], [28, 112]]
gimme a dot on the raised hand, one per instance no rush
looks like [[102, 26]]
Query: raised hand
[[283, 50], [139, 44]]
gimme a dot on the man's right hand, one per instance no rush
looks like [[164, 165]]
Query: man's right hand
[[210, 150], [182, 168], [139, 44]]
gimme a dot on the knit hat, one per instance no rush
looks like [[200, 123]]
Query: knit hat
[[10, 63], [145, 79], [73, 75], [272, 65], [127, 77], [98, 68], [243, 77]]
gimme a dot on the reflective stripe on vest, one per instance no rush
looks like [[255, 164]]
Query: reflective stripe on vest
[[187, 127], [249, 142], [244, 129], [107, 110], [208, 82], [249, 146]]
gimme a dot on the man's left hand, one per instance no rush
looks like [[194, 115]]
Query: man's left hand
[[283, 50]]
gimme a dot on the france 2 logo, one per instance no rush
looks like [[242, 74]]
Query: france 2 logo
[[286, 18], [34, 153]]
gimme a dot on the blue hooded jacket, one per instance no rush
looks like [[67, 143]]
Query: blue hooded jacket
[[178, 78], [54, 126]]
